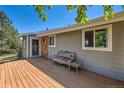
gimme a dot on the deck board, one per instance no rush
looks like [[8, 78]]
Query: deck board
[[16, 76], [12, 79], [34, 77], [2, 76], [26, 75], [70, 79], [46, 80], [7, 77], [40, 73], [22, 77]]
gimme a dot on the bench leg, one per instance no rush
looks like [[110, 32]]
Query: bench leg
[[69, 67], [52, 62], [77, 70]]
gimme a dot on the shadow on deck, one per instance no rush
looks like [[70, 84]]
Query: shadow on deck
[[41, 73], [66, 78]]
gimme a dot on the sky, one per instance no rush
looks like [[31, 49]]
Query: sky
[[25, 19]]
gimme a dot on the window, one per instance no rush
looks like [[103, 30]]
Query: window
[[101, 38], [97, 38], [89, 39], [52, 41]]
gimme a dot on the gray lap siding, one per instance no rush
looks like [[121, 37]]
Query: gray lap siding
[[104, 62]]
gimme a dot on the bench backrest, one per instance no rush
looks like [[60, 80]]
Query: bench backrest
[[67, 54]]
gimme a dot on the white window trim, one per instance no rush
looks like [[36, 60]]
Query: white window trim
[[54, 41], [109, 48], [31, 38]]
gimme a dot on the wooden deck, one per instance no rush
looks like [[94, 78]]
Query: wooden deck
[[38, 72]]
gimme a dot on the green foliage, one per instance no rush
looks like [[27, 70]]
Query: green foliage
[[4, 19], [43, 17], [123, 7], [100, 38], [49, 6], [108, 11], [40, 9], [81, 12], [70, 8], [8, 57], [8, 35]]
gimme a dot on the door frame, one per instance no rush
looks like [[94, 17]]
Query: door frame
[[36, 38]]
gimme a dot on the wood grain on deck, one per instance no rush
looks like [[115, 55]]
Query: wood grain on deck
[[20, 74], [40, 73]]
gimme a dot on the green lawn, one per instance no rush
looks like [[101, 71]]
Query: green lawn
[[8, 57]]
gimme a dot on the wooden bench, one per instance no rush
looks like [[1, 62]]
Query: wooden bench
[[64, 57]]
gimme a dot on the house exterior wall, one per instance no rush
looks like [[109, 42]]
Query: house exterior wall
[[104, 62]]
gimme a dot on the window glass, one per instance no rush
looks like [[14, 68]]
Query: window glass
[[101, 38], [89, 39], [51, 40]]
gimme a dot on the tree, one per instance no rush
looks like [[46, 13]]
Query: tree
[[81, 12], [3, 21], [8, 35]]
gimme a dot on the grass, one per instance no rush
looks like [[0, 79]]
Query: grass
[[8, 57]]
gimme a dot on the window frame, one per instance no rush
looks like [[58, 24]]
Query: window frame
[[54, 41], [109, 38]]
